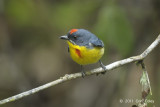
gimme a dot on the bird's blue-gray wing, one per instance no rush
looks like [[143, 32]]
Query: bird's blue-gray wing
[[97, 43]]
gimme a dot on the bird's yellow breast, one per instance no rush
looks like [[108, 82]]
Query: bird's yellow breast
[[83, 55]]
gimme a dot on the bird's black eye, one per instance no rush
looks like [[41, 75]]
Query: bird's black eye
[[75, 37]]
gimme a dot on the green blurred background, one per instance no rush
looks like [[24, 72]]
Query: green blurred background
[[31, 53]]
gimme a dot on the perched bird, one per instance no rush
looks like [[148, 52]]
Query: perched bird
[[84, 47]]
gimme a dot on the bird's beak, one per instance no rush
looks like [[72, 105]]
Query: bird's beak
[[64, 37]]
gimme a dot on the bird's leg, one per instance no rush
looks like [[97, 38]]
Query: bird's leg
[[82, 71], [104, 68]]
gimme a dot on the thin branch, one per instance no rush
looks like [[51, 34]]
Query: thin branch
[[68, 77]]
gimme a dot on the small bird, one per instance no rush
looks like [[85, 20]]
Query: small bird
[[84, 47]]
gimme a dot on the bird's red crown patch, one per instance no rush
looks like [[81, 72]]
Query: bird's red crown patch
[[73, 30]]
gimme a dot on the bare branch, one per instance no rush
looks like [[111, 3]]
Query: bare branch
[[68, 77]]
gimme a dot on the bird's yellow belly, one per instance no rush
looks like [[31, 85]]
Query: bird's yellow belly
[[83, 55]]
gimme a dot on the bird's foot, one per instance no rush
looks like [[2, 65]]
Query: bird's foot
[[83, 74], [104, 68], [82, 71]]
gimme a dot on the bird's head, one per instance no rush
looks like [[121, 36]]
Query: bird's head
[[78, 36]]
